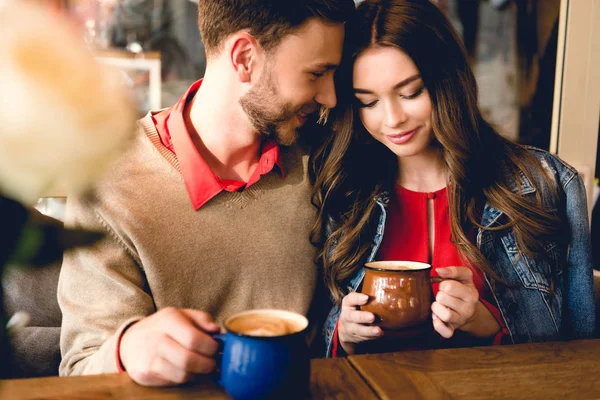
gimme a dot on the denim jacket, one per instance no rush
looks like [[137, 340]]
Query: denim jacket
[[531, 310]]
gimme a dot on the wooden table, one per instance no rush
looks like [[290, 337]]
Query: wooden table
[[559, 370], [330, 379], [566, 370]]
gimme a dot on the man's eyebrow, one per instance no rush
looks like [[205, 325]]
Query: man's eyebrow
[[396, 86], [323, 66]]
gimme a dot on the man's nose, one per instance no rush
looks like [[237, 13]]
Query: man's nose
[[326, 95]]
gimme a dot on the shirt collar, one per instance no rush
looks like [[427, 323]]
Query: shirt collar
[[200, 181]]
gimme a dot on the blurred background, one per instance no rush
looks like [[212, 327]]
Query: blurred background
[[155, 42], [518, 50], [512, 46]]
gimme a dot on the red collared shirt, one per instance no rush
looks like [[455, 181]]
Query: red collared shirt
[[201, 182]]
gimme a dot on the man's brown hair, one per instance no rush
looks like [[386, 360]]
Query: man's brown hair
[[267, 20]]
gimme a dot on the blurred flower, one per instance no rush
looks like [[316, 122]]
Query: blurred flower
[[64, 116]]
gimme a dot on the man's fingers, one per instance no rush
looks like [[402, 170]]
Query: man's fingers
[[196, 340], [166, 373], [184, 359], [202, 320], [188, 334]]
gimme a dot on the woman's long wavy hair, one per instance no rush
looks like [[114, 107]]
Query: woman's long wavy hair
[[350, 171]]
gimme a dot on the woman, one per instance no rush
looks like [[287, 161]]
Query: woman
[[413, 172]]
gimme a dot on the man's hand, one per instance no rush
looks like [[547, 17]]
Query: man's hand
[[169, 347]]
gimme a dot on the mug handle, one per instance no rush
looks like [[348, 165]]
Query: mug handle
[[216, 375]]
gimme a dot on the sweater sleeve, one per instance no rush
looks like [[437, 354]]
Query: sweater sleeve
[[101, 291]]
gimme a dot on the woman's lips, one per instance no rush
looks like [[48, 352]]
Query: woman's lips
[[402, 137]]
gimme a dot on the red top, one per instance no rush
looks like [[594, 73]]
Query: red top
[[202, 184], [406, 237]]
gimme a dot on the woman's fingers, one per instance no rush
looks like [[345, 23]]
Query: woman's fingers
[[463, 274], [354, 299], [465, 292], [455, 302], [360, 317], [445, 330], [445, 314], [361, 333], [354, 324]]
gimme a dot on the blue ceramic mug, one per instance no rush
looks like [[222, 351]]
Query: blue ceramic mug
[[265, 355]]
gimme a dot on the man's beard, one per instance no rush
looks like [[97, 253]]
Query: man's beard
[[269, 114]]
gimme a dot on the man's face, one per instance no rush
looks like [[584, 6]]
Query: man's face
[[297, 79]]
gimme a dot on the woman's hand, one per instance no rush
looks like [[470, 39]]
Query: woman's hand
[[353, 325], [457, 306], [455, 302]]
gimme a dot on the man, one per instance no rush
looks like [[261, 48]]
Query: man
[[206, 215]]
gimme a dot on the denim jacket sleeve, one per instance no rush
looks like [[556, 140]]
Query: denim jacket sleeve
[[580, 312], [334, 312]]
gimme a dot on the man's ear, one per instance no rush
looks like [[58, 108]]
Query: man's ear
[[244, 53]]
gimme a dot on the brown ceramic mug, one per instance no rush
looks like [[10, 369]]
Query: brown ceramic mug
[[400, 293]]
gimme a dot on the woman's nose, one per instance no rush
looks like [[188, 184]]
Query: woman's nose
[[395, 115]]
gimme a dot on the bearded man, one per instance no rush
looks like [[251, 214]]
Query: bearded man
[[209, 212]]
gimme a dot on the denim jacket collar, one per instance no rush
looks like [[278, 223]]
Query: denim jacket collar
[[491, 214]]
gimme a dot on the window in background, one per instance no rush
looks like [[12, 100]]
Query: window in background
[[512, 46], [134, 34]]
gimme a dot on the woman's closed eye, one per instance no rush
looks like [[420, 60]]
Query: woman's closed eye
[[366, 105], [416, 94], [371, 104]]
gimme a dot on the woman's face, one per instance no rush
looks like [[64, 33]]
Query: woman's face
[[392, 101]]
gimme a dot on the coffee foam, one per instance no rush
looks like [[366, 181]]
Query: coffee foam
[[398, 265], [265, 324]]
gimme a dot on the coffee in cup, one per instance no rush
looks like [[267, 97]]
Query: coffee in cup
[[266, 323]]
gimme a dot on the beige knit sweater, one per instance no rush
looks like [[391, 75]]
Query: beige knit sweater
[[239, 251]]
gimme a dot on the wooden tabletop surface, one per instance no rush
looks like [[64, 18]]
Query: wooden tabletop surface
[[563, 370], [554, 370], [330, 379]]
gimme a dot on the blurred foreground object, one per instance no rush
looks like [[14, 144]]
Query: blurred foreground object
[[64, 118]]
